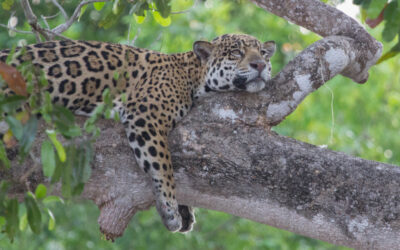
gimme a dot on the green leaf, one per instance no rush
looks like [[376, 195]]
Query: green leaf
[[375, 7], [163, 6], [23, 222], [161, 20], [83, 9], [12, 224], [11, 103], [15, 126], [2, 222], [99, 5], [390, 31], [395, 50], [140, 19], [34, 215], [52, 199], [48, 158], [64, 120], [115, 7], [3, 156], [139, 8], [28, 136], [59, 147], [40, 191], [52, 220]]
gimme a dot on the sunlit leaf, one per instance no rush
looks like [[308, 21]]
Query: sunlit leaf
[[59, 147], [48, 158], [140, 19], [53, 199], [52, 220], [115, 7], [23, 222], [99, 5], [161, 20], [40, 191]]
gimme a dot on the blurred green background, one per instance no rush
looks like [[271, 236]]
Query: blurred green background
[[362, 120]]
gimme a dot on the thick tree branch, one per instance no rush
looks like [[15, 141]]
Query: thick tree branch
[[348, 49], [224, 163]]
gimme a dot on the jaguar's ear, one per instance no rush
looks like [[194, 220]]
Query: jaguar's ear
[[203, 50], [269, 48]]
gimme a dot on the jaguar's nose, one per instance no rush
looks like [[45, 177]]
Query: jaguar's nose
[[259, 66]]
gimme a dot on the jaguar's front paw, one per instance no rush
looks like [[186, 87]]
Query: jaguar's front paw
[[188, 219], [170, 216]]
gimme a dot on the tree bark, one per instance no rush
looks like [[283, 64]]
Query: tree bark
[[224, 163], [226, 159]]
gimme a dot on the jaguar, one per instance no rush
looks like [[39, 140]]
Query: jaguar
[[152, 93]]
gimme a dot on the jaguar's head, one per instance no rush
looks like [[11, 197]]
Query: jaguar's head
[[235, 62]]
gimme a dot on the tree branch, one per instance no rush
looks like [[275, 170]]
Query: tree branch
[[237, 167], [347, 49], [63, 27]]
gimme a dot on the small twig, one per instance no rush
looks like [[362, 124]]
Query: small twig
[[63, 27], [61, 9], [51, 17], [32, 19], [135, 37], [45, 21], [15, 30]]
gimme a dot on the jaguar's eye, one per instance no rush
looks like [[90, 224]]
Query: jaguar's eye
[[263, 52], [236, 53]]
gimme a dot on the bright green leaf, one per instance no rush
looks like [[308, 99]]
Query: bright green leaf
[[161, 20], [99, 5], [23, 222], [48, 158], [140, 19], [40, 191], [52, 220], [59, 147], [52, 199]]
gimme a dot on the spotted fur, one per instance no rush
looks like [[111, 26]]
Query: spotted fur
[[159, 88]]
